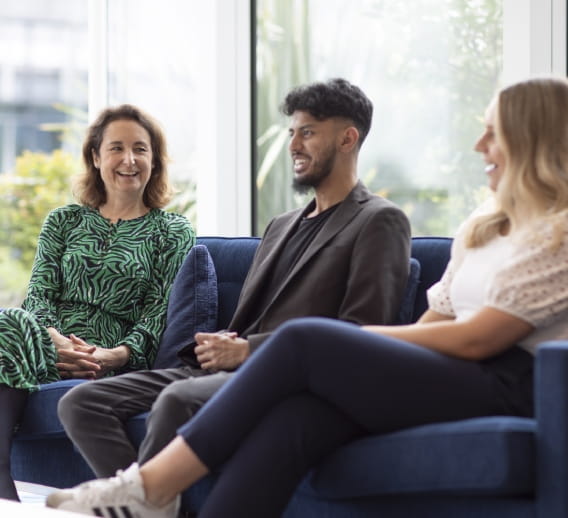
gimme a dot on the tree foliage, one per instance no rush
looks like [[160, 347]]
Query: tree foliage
[[39, 183]]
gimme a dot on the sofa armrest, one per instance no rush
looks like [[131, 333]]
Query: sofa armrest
[[551, 408]]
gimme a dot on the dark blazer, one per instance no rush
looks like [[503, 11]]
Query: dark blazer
[[355, 270]]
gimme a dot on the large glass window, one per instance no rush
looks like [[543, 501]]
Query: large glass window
[[141, 52], [43, 112], [157, 53], [430, 70], [430, 67]]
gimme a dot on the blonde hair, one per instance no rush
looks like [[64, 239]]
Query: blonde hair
[[89, 187], [532, 130]]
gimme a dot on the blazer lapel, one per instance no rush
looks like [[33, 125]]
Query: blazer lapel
[[264, 269], [344, 214]]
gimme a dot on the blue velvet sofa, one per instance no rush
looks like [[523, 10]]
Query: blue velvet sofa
[[487, 467]]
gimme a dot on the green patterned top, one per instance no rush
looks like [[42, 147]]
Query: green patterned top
[[108, 283]]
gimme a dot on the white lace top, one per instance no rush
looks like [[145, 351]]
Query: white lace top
[[525, 278]]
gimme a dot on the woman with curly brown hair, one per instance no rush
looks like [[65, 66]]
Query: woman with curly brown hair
[[97, 299]]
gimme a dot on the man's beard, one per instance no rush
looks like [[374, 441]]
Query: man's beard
[[303, 184]]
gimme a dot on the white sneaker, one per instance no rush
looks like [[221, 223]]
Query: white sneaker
[[122, 496]]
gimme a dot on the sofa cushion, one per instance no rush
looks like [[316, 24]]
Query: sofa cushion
[[433, 254], [40, 419], [192, 306], [406, 310], [232, 257], [489, 455]]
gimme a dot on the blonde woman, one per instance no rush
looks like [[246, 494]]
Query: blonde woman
[[471, 354]]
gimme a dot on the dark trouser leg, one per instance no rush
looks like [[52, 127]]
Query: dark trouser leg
[[307, 429], [176, 405], [380, 384], [94, 415], [12, 404]]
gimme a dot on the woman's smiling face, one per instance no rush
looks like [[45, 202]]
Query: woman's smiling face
[[124, 158], [489, 146]]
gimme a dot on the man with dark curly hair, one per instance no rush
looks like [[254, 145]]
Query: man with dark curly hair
[[344, 256]]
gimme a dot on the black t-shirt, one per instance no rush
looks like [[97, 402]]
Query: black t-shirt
[[304, 234]]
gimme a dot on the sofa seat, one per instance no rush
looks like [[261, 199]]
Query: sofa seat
[[490, 455], [40, 421]]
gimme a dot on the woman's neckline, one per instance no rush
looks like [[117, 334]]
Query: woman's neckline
[[115, 221]]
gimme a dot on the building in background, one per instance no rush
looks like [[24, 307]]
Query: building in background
[[43, 77]]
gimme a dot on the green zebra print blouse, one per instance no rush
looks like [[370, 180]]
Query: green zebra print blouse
[[108, 283]]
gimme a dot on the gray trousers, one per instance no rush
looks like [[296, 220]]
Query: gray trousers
[[95, 413]]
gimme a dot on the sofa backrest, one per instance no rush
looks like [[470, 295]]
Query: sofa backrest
[[232, 257], [433, 254]]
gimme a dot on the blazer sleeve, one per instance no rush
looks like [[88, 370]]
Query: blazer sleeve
[[379, 269]]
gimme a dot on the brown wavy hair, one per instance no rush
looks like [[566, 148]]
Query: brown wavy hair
[[89, 187]]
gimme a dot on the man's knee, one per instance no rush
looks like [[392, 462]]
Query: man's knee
[[72, 405], [185, 397], [176, 399]]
